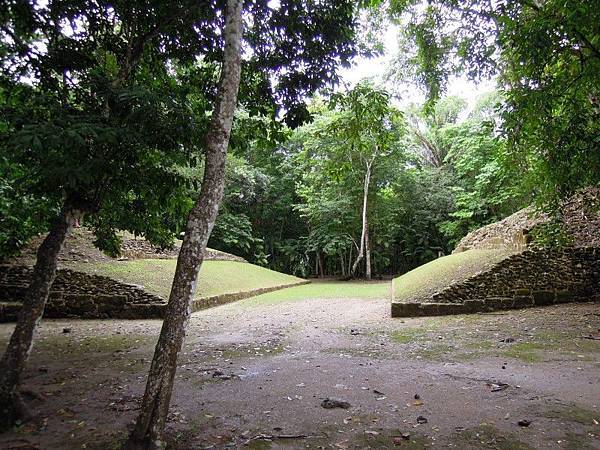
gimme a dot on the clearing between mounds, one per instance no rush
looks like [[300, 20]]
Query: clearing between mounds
[[258, 369]]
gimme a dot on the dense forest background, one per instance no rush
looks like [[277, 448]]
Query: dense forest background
[[353, 181], [294, 197]]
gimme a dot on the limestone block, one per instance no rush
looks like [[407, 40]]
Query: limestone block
[[522, 302], [406, 309], [563, 296]]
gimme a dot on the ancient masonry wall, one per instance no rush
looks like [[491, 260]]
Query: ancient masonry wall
[[531, 278], [79, 295]]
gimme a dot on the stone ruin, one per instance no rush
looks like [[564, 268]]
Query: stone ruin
[[530, 275], [76, 294], [80, 295]]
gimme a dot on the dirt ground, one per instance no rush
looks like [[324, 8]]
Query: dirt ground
[[254, 375]]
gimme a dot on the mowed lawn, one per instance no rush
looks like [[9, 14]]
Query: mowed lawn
[[216, 277], [442, 272], [323, 290]]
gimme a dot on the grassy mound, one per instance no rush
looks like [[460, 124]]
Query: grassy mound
[[430, 278], [216, 277]]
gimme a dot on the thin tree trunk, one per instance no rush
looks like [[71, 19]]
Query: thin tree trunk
[[367, 254], [350, 261], [150, 424], [18, 350], [321, 266], [361, 251], [343, 265]]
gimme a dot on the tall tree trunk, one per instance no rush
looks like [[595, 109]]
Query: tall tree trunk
[[18, 350], [361, 251], [321, 265], [350, 261], [367, 254], [149, 427], [343, 265]]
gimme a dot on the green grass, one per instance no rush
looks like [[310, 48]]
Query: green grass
[[529, 352], [216, 277], [429, 278], [408, 335], [324, 289]]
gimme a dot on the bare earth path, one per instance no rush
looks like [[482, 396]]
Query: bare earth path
[[260, 368]]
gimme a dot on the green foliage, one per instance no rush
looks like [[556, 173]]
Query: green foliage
[[420, 202], [357, 133], [485, 191], [546, 57], [293, 199], [22, 215], [233, 234], [103, 105], [428, 129], [551, 235]]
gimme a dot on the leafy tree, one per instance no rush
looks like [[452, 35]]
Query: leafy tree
[[22, 214], [546, 57], [106, 102], [427, 127], [92, 119], [245, 188], [307, 69], [485, 190], [411, 210], [351, 145]]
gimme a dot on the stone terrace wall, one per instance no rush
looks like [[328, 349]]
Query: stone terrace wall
[[79, 295], [509, 233], [76, 294], [579, 220], [531, 278], [534, 276], [572, 270]]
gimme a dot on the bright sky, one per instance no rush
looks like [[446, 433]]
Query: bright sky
[[375, 68]]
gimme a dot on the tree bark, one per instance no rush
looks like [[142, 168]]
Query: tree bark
[[149, 427], [17, 353], [361, 251], [321, 266], [350, 261], [367, 254]]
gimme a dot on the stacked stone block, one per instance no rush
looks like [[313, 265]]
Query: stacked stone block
[[530, 278]]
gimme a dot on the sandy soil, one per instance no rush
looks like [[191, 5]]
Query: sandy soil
[[254, 376]]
